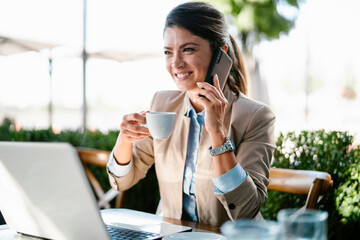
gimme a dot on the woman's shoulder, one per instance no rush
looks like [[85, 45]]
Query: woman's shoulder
[[250, 117], [245, 106], [168, 94]]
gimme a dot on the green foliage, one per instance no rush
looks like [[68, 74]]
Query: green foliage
[[348, 195], [93, 139], [258, 17], [328, 152]]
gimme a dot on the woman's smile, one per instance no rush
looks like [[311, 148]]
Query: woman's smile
[[182, 76]]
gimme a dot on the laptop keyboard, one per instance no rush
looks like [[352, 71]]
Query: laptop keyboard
[[117, 233]]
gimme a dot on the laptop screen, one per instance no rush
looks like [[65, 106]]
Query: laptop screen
[[45, 193]]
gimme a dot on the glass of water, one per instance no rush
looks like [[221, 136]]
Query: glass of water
[[249, 229], [306, 224]]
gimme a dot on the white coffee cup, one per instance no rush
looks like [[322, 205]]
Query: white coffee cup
[[160, 124]]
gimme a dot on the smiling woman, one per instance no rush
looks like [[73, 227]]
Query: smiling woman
[[196, 182]]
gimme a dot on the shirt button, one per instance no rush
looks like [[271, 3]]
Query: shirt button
[[231, 206]]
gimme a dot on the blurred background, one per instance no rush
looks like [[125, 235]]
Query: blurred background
[[302, 57]]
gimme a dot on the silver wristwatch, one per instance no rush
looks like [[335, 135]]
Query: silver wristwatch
[[227, 147]]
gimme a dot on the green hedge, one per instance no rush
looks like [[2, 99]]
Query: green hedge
[[322, 151], [313, 150]]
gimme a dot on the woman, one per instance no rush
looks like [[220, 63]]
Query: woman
[[195, 184]]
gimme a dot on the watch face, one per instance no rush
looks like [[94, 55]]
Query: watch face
[[229, 145]]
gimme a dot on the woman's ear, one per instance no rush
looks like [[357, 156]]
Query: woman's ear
[[225, 47]]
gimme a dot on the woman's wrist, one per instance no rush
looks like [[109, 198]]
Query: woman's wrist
[[217, 138], [123, 151]]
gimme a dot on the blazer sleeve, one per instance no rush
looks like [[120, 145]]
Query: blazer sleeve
[[254, 151], [143, 150], [143, 159]]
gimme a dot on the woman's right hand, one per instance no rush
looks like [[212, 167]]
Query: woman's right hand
[[132, 128]]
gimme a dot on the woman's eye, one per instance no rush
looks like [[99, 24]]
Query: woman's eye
[[167, 52], [189, 49]]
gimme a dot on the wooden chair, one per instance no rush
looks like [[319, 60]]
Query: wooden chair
[[313, 183], [96, 157]]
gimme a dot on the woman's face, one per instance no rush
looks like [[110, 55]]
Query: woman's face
[[187, 57]]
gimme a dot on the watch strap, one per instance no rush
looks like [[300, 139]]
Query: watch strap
[[227, 147]]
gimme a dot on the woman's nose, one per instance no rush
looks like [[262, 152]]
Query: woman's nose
[[178, 61]]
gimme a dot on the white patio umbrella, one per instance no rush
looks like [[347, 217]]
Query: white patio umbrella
[[122, 56], [10, 45]]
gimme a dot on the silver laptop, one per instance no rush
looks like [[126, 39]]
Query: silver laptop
[[44, 192]]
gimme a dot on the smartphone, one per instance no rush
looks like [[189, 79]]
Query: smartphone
[[220, 64]]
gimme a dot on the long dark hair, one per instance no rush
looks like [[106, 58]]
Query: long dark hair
[[205, 21]]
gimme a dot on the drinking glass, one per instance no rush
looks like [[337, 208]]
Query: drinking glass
[[249, 229], [305, 224]]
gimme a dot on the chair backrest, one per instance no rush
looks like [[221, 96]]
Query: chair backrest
[[93, 156], [89, 156], [313, 183]]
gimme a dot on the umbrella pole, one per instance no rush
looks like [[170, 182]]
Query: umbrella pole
[[84, 57], [51, 93]]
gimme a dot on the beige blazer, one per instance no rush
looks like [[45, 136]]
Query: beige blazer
[[250, 125]]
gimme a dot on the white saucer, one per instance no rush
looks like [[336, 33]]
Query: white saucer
[[194, 235]]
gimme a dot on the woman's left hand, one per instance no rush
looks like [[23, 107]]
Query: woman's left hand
[[215, 105]]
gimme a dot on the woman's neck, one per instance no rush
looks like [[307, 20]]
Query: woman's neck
[[198, 107]]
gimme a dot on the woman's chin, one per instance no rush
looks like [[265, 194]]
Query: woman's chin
[[185, 87]]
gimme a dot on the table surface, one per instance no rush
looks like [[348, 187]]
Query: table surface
[[8, 234]]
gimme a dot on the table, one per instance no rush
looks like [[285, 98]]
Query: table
[[8, 234], [194, 225]]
